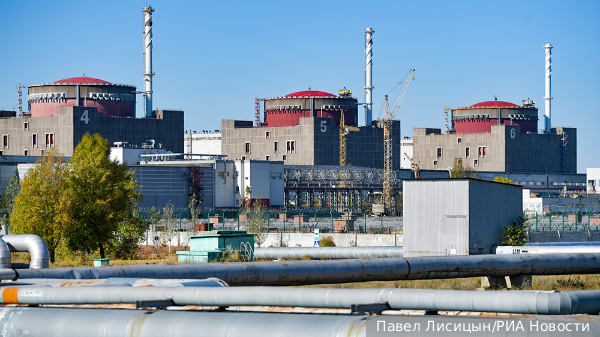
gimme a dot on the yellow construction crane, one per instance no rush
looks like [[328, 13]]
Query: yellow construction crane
[[414, 167], [389, 194], [344, 131]]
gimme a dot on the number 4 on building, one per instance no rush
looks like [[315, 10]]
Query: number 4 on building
[[85, 117]]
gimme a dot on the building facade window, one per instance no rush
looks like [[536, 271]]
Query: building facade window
[[267, 134], [482, 152], [475, 162], [267, 157], [439, 152], [276, 147], [34, 140], [459, 140], [467, 152], [42, 152], [5, 141], [49, 140], [284, 157], [247, 148], [435, 163], [26, 126], [291, 146], [26, 152]]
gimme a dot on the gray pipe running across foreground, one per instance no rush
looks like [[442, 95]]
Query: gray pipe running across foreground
[[546, 249], [35, 245], [286, 273], [516, 302], [76, 322], [273, 253]]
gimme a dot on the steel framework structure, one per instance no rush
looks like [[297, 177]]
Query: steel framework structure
[[334, 188]]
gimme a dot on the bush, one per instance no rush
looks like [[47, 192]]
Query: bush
[[515, 234], [327, 241]]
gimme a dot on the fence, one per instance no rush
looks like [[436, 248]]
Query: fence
[[564, 218]]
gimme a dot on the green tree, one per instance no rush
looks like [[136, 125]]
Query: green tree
[[125, 243], [257, 220], [458, 171], [38, 207], [101, 195], [505, 180], [515, 234], [7, 200]]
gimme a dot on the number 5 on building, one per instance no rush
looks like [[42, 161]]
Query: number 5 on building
[[323, 126]]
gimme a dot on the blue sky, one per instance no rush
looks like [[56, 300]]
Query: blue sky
[[212, 58]]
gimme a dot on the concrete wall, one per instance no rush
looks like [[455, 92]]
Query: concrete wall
[[73, 122], [593, 180], [452, 216], [340, 239], [316, 143], [506, 150]]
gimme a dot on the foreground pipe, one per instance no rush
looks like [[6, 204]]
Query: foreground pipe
[[35, 245], [338, 271], [118, 282], [547, 249], [4, 255], [519, 302], [66, 322], [328, 252]]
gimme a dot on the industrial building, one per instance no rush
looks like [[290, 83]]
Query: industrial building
[[216, 182], [501, 136], [450, 217], [593, 180], [208, 142], [31, 136], [303, 128]]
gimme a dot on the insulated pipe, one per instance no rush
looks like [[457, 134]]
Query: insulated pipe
[[119, 282], [66, 322], [516, 302], [547, 249], [328, 252], [33, 244], [285, 273], [4, 255]]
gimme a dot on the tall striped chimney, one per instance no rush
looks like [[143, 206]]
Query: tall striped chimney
[[148, 60], [548, 96], [368, 77]]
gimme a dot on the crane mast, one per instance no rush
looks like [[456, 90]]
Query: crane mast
[[389, 195]]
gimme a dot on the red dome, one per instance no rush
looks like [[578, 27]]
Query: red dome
[[310, 93], [492, 104], [82, 80]]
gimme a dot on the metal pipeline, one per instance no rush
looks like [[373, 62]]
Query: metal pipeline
[[118, 282], [66, 322], [517, 302], [578, 243], [33, 244], [4, 255], [328, 252], [547, 249], [285, 273]]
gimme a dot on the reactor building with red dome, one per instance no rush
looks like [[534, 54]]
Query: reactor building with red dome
[[287, 110], [61, 112], [304, 128], [109, 99], [497, 136]]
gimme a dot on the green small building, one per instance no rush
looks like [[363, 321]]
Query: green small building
[[217, 245]]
